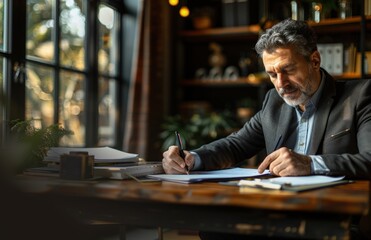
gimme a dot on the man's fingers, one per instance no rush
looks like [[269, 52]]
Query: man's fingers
[[267, 161], [172, 167], [277, 167], [173, 155], [288, 163], [274, 160], [172, 162]]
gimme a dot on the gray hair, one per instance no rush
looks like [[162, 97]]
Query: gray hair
[[288, 33]]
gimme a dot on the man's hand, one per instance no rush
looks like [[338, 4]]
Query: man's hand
[[285, 162], [174, 164]]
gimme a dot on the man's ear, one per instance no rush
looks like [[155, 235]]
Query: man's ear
[[315, 59]]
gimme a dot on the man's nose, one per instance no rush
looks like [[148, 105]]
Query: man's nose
[[281, 80]]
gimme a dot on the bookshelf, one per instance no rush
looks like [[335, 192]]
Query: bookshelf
[[192, 53]]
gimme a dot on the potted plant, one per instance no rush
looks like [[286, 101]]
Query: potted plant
[[32, 144], [198, 129]]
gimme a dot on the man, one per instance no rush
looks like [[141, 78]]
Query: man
[[309, 124]]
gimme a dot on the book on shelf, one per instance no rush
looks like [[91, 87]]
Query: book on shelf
[[366, 62], [338, 59], [329, 56], [332, 57], [367, 7], [228, 15], [350, 58], [239, 13]]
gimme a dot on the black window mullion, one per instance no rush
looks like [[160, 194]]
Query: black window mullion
[[91, 59], [120, 124], [57, 38], [16, 87]]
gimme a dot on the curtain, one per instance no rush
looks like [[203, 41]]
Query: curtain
[[147, 91], [137, 112]]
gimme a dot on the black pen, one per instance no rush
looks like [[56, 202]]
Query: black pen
[[180, 146]]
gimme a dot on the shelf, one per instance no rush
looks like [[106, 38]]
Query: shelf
[[347, 76], [246, 81], [193, 50], [241, 82], [337, 25], [243, 32], [333, 25]]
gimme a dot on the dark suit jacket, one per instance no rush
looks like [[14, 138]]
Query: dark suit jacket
[[342, 130]]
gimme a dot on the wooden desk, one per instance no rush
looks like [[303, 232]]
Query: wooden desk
[[316, 214]]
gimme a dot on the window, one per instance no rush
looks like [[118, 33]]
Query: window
[[56, 69], [4, 56], [3, 20], [72, 67]]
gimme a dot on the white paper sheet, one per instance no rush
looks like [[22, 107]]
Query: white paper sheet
[[225, 174], [305, 180], [101, 154]]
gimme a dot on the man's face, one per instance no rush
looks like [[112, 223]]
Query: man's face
[[294, 78]]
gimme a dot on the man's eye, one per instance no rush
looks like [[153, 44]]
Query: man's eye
[[272, 75], [290, 70]]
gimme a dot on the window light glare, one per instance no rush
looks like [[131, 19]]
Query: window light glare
[[106, 16], [184, 11]]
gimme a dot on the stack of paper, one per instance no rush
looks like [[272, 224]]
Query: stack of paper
[[129, 171], [109, 163], [217, 175], [101, 154]]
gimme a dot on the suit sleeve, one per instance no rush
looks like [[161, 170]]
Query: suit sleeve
[[238, 146]]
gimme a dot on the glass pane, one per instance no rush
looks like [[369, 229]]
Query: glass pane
[[108, 40], [72, 23], [40, 28], [2, 71], [2, 99], [71, 107], [39, 95], [107, 112], [3, 24]]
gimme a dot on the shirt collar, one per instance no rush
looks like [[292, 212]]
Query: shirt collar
[[316, 96]]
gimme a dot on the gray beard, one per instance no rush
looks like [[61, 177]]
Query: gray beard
[[303, 98]]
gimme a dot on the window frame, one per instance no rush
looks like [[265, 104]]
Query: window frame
[[18, 57]]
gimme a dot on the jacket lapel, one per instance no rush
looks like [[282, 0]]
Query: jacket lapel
[[287, 123], [322, 115]]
